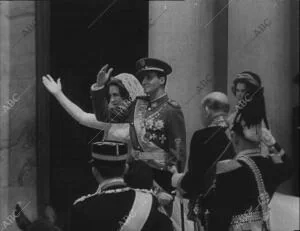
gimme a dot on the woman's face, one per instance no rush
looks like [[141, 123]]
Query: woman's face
[[115, 98], [240, 91]]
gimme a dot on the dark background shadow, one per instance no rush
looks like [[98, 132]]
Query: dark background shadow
[[77, 52]]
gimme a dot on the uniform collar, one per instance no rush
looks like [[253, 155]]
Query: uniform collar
[[111, 184], [249, 152], [158, 101], [219, 121], [144, 97]]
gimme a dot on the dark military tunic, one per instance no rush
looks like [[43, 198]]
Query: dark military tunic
[[161, 131], [236, 198], [207, 145], [110, 207]]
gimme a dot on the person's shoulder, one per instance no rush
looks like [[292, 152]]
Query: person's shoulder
[[264, 162], [173, 104], [228, 165], [87, 207], [218, 131], [91, 199], [85, 199], [231, 169], [200, 136], [99, 202], [209, 133], [198, 133]]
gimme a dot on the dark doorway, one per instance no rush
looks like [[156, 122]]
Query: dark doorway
[[84, 36]]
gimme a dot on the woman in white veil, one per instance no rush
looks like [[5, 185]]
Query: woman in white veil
[[112, 131]]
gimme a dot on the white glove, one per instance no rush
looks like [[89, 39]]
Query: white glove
[[267, 138], [164, 198], [173, 169], [176, 178]]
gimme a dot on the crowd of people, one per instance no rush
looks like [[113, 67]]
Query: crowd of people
[[233, 168]]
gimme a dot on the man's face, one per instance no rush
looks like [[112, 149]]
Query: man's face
[[151, 82], [240, 90], [115, 96]]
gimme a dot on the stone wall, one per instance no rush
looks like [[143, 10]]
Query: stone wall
[[17, 110]]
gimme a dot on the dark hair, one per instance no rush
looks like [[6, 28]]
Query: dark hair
[[216, 105], [118, 83], [252, 113], [109, 170]]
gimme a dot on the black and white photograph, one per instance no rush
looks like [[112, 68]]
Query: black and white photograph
[[149, 115]]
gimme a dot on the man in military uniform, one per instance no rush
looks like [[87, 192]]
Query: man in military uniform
[[157, 128], [208, 145], [114, 206], [244, 185]]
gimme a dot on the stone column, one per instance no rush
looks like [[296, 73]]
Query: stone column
[[181, 33], [17, 110], [259, 41]]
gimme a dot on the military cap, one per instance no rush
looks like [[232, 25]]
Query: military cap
[[107, 152], [149, 64]]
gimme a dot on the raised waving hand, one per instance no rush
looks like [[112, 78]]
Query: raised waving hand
[[52, 86], [103, 76]]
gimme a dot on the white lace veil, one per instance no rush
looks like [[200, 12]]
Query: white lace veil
[[131, 84]]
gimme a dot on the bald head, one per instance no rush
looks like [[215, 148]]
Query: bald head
[[216, 102]]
